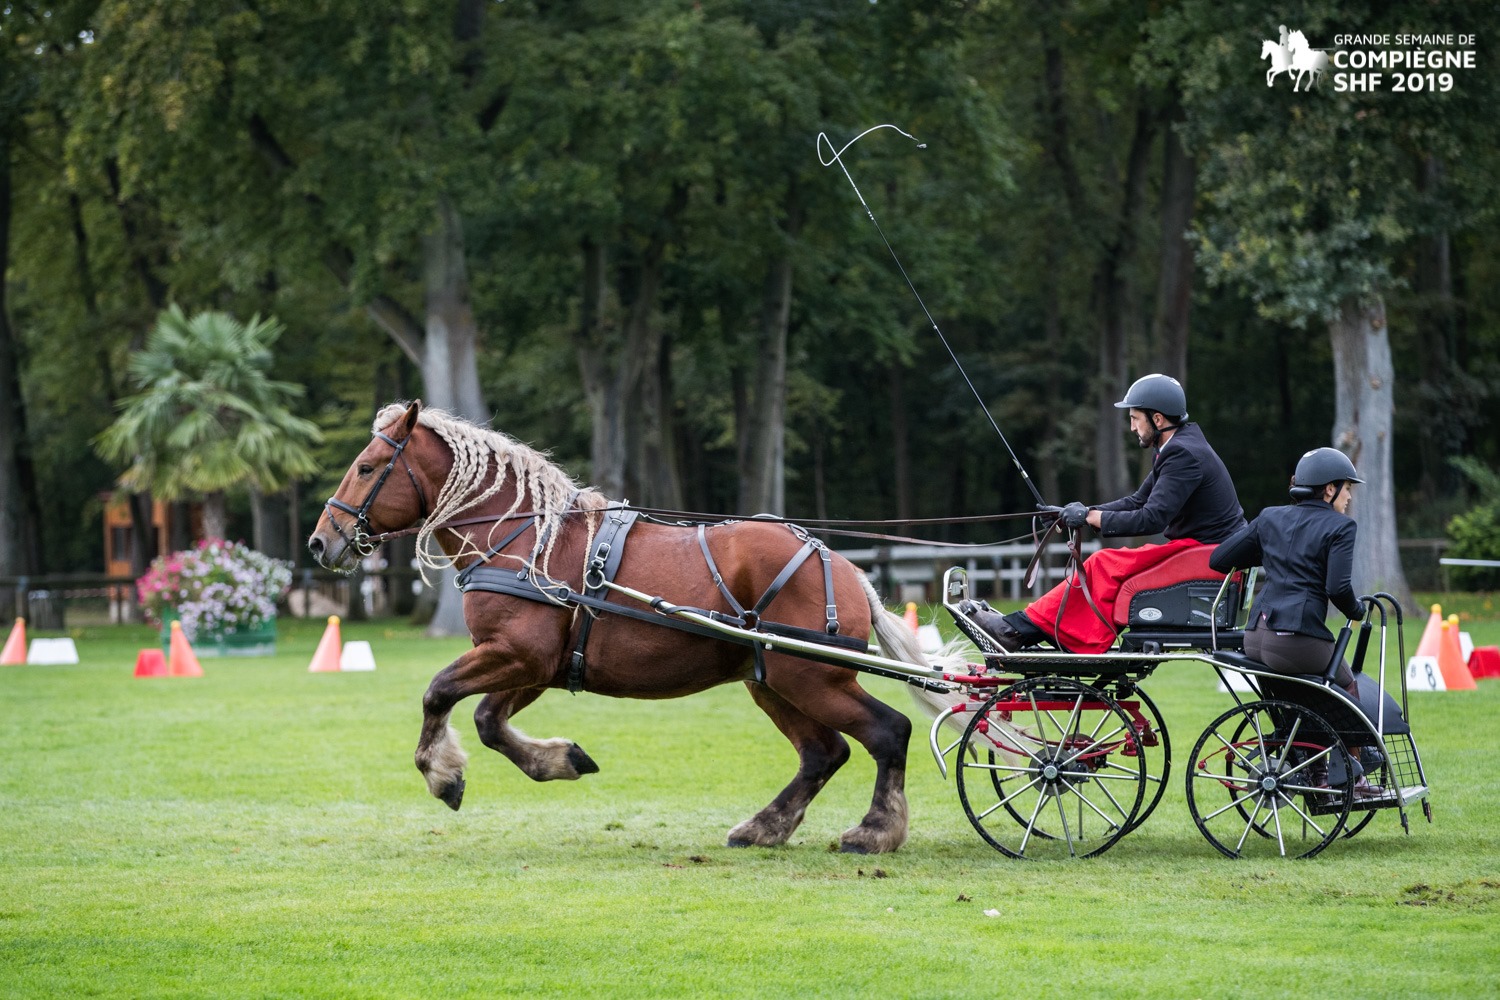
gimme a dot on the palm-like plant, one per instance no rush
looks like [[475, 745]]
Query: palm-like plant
[[208, 418]]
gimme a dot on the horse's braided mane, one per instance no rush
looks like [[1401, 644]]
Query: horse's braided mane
[[540, 484]]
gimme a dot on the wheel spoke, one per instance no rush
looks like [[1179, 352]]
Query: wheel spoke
[[1276, 817], [1243, 759], [1260, 737], [1067, 834], [1307, 818], [1250, 794], [1031, 823], [1006, 801], [1311, 760], [1248, 827], [1011, 768], [1121, 767], [1112, 800], [1291, 738]]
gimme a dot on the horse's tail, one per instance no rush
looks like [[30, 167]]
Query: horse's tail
[[898, 642]]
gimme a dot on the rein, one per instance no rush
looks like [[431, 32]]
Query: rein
[[687, 519], [363, 542]]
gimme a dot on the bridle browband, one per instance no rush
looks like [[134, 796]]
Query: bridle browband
[[362, 541]]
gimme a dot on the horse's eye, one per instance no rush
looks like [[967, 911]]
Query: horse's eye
[[365, 470]]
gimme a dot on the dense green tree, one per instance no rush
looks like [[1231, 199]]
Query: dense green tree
[[1314, 200], [604, 226]]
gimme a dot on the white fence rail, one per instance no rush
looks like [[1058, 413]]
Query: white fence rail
[[915, 572]]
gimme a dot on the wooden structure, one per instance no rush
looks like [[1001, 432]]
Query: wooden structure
[[117, 529]]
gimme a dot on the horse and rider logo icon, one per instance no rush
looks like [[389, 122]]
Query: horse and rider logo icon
[[1294, 57]]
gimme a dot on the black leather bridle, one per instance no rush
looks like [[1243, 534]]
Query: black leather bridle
[[360, 541]]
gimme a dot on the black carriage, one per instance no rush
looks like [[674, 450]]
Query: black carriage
[[1060, 754]]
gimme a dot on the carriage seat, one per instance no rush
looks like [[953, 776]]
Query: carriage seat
[[1177, 593]]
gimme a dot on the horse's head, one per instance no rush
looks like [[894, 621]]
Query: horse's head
[[382, 491], [1297, 40], [1268, 48]]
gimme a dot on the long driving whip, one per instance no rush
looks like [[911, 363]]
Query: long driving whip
[[836, 156]]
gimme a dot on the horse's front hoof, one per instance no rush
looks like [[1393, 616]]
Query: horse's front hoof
[[848, 848], [581, 762], [453, 795]]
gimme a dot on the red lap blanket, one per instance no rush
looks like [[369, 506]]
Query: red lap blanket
[[1080, 629]]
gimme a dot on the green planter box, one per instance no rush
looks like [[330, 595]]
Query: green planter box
[[260, 641]]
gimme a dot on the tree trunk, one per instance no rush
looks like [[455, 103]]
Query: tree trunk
[[215, 516], [1111, 478], [399, 554], [1049, 477], [1174, 287], [450, 370], [654, 468], [20, 510], [1364, 381], [624, 363], [269, 525], [596, 370], [763, 434], [179, 526], [1439, 433], [258, 538], [354, 607], [137, 215], [294, 523]]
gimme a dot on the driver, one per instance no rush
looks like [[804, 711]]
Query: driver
[[1188, 496]]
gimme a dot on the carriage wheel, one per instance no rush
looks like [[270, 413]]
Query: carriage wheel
[[1261, 768], [1041, 772], [1158, 758], [1351, 827]]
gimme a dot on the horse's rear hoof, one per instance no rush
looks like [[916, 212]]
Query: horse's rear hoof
[[453, 795], [848, 848], [581, 762]]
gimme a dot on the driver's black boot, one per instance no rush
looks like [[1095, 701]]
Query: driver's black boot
[[1006, 635]]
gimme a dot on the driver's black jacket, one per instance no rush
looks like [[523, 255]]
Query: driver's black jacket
[[1188, 494]]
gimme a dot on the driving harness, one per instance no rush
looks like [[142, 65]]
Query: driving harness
[[604, 562]]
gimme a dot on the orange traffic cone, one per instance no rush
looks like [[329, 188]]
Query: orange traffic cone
[[184, 662], [1456, 676], [150, 663], [15, 647], [326, 656], [1432, 635], [911, 615]]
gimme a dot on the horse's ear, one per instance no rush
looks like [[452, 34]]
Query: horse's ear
[[408, 421]]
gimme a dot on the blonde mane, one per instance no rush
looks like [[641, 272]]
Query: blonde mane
[[475, 450]]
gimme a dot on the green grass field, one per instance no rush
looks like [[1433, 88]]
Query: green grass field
[[262, 832]]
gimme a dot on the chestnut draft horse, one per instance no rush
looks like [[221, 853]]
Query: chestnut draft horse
[[470, 488]]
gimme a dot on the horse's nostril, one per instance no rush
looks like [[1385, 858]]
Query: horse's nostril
[[315, 544]]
